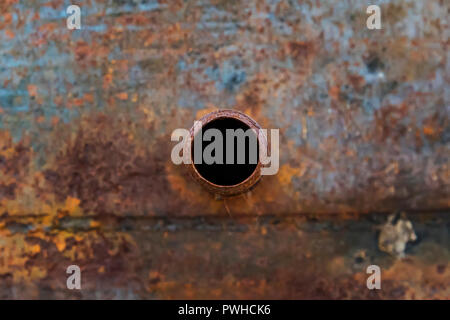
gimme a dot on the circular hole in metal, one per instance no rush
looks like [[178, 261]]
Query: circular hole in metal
[[226, 173]]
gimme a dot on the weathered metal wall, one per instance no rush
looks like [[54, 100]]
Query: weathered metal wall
[[85, 123]]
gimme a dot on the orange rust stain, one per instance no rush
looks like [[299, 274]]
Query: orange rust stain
[[55, 120], [32, 90], [107, 80], [7, 18], [334, 92], [89, 97], [36, 16], [10, 34], [286, 173], [429, 131], [35, 249], [150, 39], [60, 241], [47, 28], [122, 96], [82, 51], [72, 204], [76, 102], [94, 224]]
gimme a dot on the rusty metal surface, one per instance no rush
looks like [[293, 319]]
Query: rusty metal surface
[[85, 170]]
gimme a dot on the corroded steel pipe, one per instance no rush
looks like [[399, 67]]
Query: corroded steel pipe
[[247, 181]]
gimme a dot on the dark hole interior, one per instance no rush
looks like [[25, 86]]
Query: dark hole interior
[[226, 174]]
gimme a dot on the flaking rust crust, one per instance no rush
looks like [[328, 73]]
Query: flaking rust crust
[[85, 170]]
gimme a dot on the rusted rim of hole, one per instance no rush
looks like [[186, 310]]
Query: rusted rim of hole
[[228, 190]]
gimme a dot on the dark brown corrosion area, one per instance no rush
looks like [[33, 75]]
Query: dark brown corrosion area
[[86, 178]]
